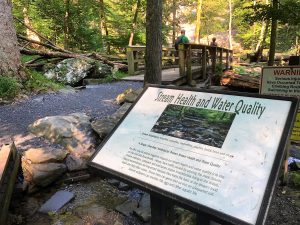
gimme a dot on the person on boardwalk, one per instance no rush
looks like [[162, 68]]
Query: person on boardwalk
[[214, 43], [182, 39]]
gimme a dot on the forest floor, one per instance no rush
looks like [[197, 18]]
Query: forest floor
[[98, 102]]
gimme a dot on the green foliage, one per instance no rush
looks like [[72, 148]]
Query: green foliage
[[115, 76], [26, 58], [9, 87], [38, 83], [242, 70]]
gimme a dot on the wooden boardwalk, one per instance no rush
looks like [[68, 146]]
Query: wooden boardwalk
[[169, 76]]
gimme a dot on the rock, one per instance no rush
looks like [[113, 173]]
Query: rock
[[100, 70], [104, 126], [294, 178], [127, 207], [93, 81], [120, 113], [123, 187], [58, 200], [144, 209], [128, 96], [73, 131], [185, 217], [45, 155], [41, 175], [70, 71], [74, 163], [113, 182], [95, 211]]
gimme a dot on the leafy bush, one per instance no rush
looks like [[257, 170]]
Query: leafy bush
[[39, 83], [9, 87]]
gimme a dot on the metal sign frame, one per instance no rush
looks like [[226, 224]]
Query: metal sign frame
[[210, 213]]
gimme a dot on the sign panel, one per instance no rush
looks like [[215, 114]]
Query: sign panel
[[283, 81], [213, 151]]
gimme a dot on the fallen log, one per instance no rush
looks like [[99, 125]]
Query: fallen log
[[119, 66], [48, 54], [50, 46], [230, 78]]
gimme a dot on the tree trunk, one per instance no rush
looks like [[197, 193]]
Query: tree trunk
[[174, 22], [198, 22], [67, 24], [273, 35], [153, 57], [9, 51], [101, 9], [104, 26], [29, 33], [134, 21], [230, 24], [262, 38]]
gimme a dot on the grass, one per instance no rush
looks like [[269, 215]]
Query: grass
[[40, 84], [26, 58], [117, 75], [9, 87]]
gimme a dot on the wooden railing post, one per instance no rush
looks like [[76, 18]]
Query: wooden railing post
[[227, 59], [130, 61], [189, 66], [221, 57], [230, 58], [181, 61], [204, 62], [213, 59]]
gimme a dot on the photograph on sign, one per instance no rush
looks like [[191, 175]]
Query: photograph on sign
[[203, 126], [215, 150]]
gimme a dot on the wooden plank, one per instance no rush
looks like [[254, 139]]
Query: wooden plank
[[227, 59], [204, 62], [130, 61], [8, 179], [181, 54], [5, 155], [189, 66]]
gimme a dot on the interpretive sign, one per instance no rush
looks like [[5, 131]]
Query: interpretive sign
[[283, 81], [215, 152]]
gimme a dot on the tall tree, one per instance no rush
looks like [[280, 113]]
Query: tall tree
[[134, 21], [174, 9], [275, 4], [67, 24], [230, 24], [198, 21], [30, 34], [153, 57], [9, 52]]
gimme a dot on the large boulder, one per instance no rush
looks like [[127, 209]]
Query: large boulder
[[100, 70], [70, 71], [73, 131], [42, 166], [45, 155], [128, 95], [104, 126]]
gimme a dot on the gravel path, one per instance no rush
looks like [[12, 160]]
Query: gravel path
[[96, 101]]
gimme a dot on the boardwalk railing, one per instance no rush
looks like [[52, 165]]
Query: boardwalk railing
[[188, 55]]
